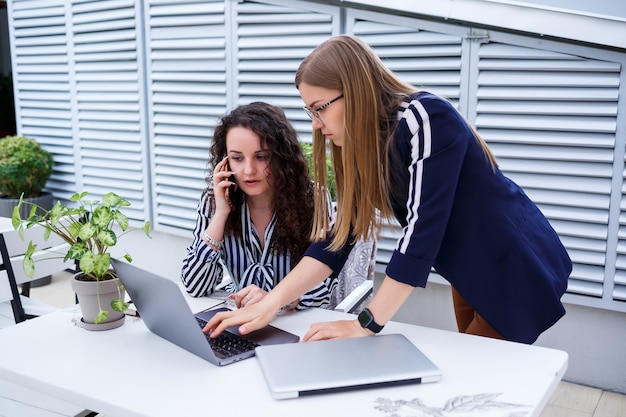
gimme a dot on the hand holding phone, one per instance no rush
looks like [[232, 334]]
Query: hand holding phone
[[223, 185]]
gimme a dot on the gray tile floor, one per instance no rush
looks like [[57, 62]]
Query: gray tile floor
[[569, 400]]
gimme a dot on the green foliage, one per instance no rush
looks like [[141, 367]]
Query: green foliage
[[307, 149], [89, 230], [25, 167]]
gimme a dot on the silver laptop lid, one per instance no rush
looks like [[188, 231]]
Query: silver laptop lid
[[166, 313], [163, 309], [343, 364]]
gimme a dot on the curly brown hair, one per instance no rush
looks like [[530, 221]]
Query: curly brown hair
[[293, 188]]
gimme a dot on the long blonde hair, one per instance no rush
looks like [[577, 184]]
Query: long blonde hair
[[372, 95]]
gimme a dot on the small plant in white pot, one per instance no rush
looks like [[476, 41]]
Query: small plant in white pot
[[89, 229]]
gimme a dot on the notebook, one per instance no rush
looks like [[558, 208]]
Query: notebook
[[344, 364], [162, 306]]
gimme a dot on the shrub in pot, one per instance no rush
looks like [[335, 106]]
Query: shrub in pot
[[25, 167], [90, 228]]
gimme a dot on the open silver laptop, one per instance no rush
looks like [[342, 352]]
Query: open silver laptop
[[165, 312], [344, 364]]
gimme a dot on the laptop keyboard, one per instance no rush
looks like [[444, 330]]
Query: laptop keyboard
[[227, 344]]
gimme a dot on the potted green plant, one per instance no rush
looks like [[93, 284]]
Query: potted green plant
[[25, 167], [90, 229], [307, 150]]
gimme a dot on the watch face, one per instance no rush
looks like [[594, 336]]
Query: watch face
[[365, 318]]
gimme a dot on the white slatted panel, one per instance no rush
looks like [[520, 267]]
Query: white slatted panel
[[619, 283], [415, 50], [42, 79], [109, 132], [80, 67], [272, 39], [187, 93], [422, 57], [551, 118]]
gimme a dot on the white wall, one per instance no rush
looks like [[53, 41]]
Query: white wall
[[613, 8], [593, 338], [573, 22]]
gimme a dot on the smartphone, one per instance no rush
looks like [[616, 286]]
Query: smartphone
[[233, 187]]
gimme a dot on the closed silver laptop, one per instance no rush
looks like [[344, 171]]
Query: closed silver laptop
[[335, 365]]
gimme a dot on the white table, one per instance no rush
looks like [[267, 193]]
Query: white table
[[129, 371]]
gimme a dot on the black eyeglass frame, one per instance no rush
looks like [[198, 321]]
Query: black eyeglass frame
[[315, 113]]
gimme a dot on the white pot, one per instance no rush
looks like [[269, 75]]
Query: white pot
[[88, 293]]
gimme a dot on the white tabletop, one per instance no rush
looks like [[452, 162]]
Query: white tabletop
[[129, 371]]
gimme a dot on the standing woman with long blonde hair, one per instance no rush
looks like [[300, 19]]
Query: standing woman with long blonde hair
[[408, 154]]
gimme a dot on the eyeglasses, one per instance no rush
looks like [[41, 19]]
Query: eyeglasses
[[315, 113]]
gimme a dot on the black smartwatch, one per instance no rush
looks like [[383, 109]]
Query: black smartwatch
[[366, 319]]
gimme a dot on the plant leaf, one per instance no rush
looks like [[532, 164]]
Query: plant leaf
[[102, 265], [76, 251], [16, 220], [87, 263], [107, 237], [74, 229], [110, 199], [122, 220], [87, 231], [28, 264], [102, 216], [119, 305], [102, 316], [146, 229]]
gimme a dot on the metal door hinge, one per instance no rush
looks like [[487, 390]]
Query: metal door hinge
[[478, 36]]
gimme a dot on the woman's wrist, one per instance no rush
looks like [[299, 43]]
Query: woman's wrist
[[215, 244], [273, 299]]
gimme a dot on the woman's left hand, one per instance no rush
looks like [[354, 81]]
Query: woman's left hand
[[335, 330], [248, 296]]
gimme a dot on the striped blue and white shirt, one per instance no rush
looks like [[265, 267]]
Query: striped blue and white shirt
[[246, 261]]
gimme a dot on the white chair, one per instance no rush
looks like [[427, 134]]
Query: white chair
[[16, 308], [355, 280], [48, 261]]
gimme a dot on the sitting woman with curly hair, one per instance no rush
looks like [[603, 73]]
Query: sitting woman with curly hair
[[256, 213]]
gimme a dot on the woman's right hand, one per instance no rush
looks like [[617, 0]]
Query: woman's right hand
[[221, 184], [253, 317]]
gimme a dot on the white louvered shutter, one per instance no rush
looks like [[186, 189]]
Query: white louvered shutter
[[109, 131], [426, 55], [79, 94], [551, 119], [273, 37], [186, 59], [41, 74]]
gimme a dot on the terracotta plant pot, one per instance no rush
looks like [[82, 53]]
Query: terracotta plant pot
[[88, 292]]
